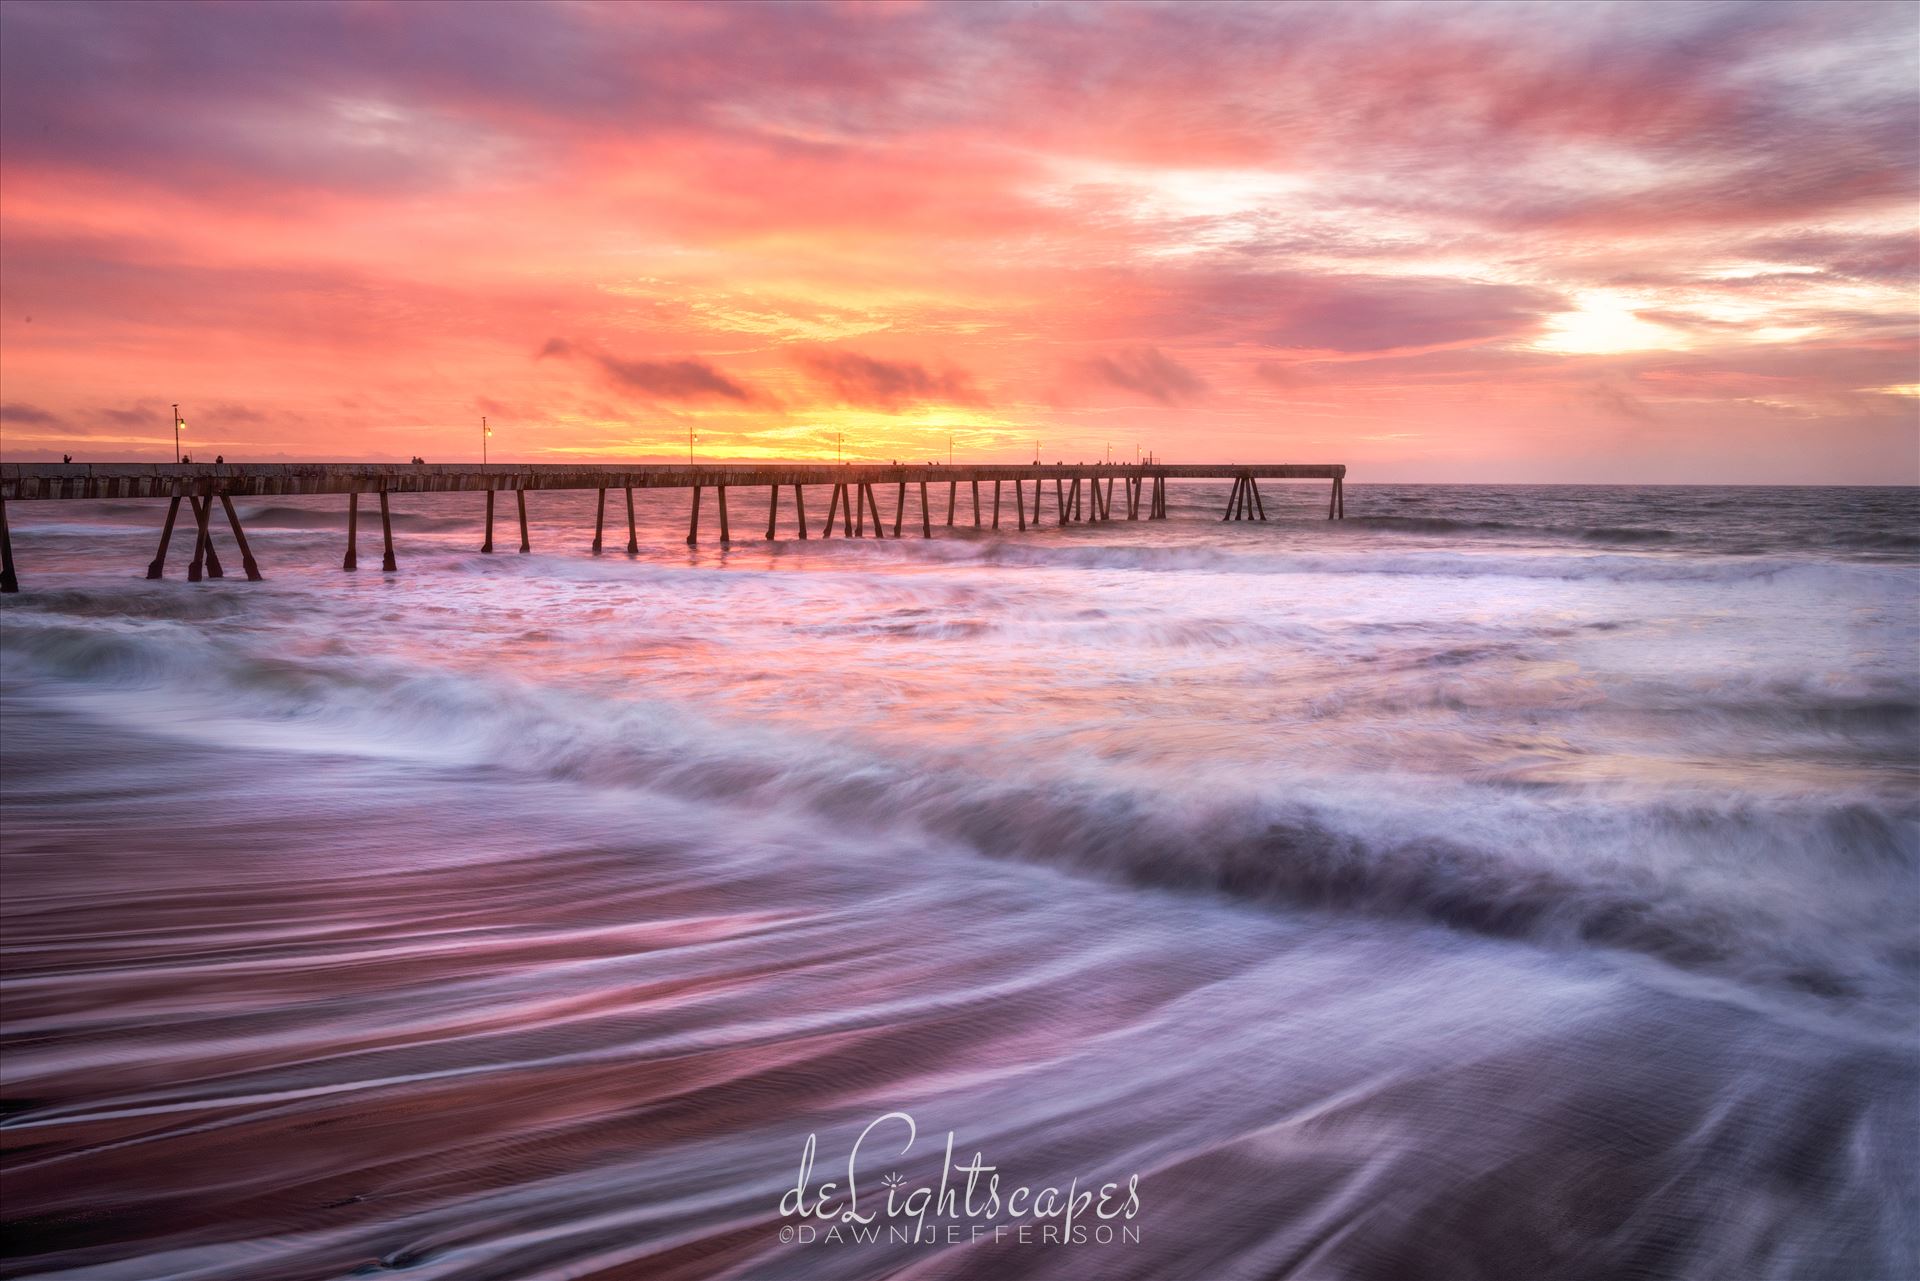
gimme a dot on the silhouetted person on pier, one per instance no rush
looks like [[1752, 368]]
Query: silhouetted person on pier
[[186, 458], [66, 458], [220, 459]]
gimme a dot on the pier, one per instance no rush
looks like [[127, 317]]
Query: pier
[[1016, 497]]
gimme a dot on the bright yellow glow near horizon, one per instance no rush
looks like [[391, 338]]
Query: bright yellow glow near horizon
[[1606, 322]]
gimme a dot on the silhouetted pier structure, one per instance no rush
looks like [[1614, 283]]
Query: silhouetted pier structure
[[1079, 492]]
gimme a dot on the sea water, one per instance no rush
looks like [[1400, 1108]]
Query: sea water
[[1505, 882]]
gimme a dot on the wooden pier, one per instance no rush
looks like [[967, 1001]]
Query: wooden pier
[[1079, 492]]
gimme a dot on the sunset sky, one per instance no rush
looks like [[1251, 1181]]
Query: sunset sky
[[1671, 242]]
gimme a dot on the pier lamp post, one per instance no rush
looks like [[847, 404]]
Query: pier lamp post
[[177, 425], [485, 431]]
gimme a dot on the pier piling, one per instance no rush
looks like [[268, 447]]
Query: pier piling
[[199, 540], [240, 539], [520, 496], [599, 517], [158, 567], [9, 580], [633, 534], [350, 561], [833, 510], [203, 509], [387, 563], [486, 544], [693, 521]]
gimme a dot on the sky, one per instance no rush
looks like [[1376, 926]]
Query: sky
[[1438, 242]]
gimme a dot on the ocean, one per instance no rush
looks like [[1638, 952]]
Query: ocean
[[1505, 882]]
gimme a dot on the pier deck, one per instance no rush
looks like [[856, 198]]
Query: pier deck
[[1081, 492]]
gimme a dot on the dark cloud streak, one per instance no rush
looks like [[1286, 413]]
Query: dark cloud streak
[[685, 379], [887, 384]]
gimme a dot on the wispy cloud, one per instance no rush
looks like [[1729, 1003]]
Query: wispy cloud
[[1146, 371], [684, 379], [854, 379], [1502, 227]]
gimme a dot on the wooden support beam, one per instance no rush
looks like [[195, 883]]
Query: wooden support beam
[[726, 535], [1333, 497], [1253, 483], [599, 517], [353, 528], [976, 504], [214, 568], [953, 492], [900, 510], [633, 532], [873, 505], [773, 508], [203, 511], [9, 580], [387, 563], [1073, 498], [926, 513], [520, 496], [1232, 498], [199, 560], [1020, 500], [486, 545], [800, 509], [693, 520], [996, 504], [833, 510], [158, 566], [1059, 499], [846, 509], [1340, 495], [240, 537], [859, 496], [1036, 502]]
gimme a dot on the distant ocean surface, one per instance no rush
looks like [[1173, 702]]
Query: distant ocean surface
[[1506, 882]]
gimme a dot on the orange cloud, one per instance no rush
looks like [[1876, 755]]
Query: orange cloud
[[1670, 242]]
